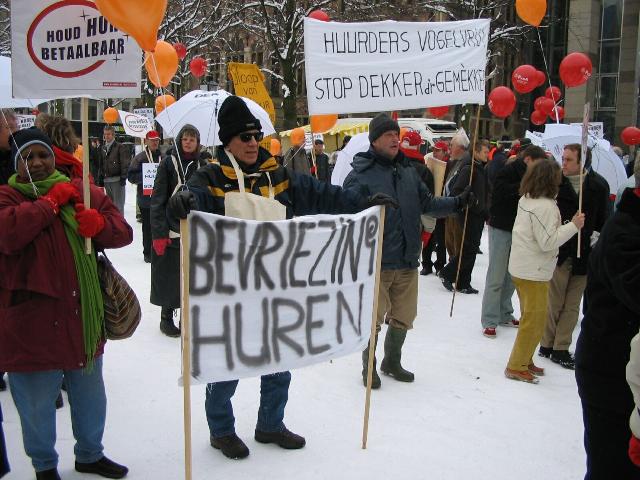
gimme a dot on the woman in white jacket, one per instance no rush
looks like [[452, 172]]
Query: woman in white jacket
[[537, 235]]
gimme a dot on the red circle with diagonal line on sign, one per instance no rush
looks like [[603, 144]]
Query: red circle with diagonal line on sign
[[34, 25]]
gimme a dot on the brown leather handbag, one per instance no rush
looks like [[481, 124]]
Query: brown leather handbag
[[122, 311]]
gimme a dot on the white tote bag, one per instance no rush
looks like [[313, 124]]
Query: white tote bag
[[248, 206]]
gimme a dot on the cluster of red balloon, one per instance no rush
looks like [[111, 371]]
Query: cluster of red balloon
[[438, 112], [630, 136], [198, 66]]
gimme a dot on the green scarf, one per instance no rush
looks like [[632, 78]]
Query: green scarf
[[86, 265]]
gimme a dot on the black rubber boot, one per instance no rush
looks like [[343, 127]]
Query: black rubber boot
[[390, 364], [166, 323], [375, 379], [59, 401], [51, 474]]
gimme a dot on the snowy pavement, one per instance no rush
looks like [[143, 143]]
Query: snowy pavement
[[460, 419]]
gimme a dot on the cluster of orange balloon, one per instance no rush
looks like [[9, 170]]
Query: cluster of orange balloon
[[531, 11], [297, 136], [163, 101], [322, 123], [110, 115]]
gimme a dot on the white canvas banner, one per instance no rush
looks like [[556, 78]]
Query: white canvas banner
[[265, 297], [68, 49], [381, 66], [135, 125], [149, 172]]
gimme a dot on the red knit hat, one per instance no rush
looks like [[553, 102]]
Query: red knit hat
[[441, 145], [152, 135], [413, 137]]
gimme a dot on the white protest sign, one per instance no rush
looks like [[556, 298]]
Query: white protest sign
[[135, 125], [149, 171], [595, 128], [145, 112], [25, 121], [266, 297], [67, 48], [381, 66]]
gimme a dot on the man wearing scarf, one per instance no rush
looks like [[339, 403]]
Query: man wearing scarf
[[240, 134], [51, 312]]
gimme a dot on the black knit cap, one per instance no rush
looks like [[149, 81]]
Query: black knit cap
[[26, 138], [380, 124], [235, 117]]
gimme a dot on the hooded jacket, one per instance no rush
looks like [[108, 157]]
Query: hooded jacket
[[402, 242]]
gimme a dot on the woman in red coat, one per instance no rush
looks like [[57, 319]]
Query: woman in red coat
[[51, 313]]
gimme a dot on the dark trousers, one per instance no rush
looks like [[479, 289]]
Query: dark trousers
[[473, 234], [274, 393], [436, 244], [4, 462], [146, 231]]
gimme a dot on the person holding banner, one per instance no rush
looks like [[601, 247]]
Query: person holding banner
[[51, 311], [287, 193], [150, 154], [384, 168], [114, 166], [173, 172], [570, 276]]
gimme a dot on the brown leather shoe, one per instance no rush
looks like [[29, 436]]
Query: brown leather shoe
[[522, 376]]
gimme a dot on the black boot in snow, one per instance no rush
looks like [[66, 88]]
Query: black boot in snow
[[59, 401], [390, 364], [166, 323], [375, 379]]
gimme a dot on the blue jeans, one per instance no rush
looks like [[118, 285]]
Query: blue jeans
[[274, 393], [498, 289], [34, 394]]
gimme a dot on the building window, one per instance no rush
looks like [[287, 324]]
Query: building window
[[76, 109], [93, 110]]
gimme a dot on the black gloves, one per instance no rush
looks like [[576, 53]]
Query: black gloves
[[182, 203], [466, 198], [382, 199], [123, 182]]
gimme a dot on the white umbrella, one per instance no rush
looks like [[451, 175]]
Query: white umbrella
[[200, 108], [358, 143], [6, 89]]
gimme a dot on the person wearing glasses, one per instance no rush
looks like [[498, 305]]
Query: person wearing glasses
[[51, 312], [174, 171], [240, 133]]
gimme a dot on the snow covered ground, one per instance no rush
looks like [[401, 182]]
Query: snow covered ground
[[461, 419]]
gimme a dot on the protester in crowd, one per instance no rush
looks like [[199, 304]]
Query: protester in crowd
[[64, 141], [437, 240], [384, 168], [296, 159], [458, 155], [497, 160], [333, 158], [478, 214], [611, 319], [8, 125], [150, 154], [95, 166], [538, 232], [497, 308], [174, 171], [322, 161], [114, 165], [570, 276], [52, 312], [240, 134]]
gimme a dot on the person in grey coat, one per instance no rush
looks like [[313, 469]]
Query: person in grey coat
[[114, 166], [385, 169], [297, 161]]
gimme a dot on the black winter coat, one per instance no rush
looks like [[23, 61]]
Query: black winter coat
[[115, 161], [135, 175], [301, 194], [506, 194], [6, 167], [402, 242], [595, 205], [479, 186], [424, 173], [611, 310]]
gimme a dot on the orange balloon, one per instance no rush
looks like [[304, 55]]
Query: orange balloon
[[297, 136], [110, 115], [162, 64], [163, 101], [140, 19], [322, 123], [276, 147], [531, 11]]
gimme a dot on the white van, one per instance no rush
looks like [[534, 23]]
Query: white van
[[430, 129]]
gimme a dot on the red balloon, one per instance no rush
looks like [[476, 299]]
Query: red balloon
[[538, 103], [575, 69], [319, 15], [630, 136], [542, 78], [557, 114], [198, 66], [546, 105], [524, 79], [181, 50], [502, 101], [553, 93], [438, 112], [538, 117]]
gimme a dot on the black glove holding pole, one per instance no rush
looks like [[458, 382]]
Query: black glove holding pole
[[182, 203], [466, 198], [382, 199]]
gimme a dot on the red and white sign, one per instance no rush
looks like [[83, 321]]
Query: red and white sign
[[67, 49], [149, 171], [134, 124]]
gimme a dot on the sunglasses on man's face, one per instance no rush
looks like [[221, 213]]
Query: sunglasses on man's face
[[246, 137]]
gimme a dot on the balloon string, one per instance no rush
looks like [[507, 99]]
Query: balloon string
[[546, 67]]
